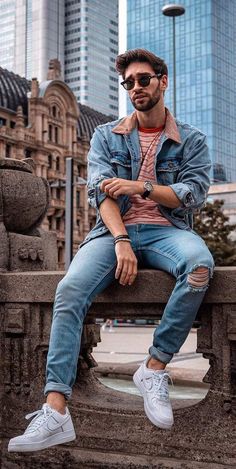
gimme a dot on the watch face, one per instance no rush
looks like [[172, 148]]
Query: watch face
[[148, 186]]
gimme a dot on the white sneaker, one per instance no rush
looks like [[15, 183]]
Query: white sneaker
[[153, 386], [48, 428]]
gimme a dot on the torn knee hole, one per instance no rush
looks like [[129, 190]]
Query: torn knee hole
[[199, 277]]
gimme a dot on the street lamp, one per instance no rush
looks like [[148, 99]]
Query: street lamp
[[173, 10], [70, 183]]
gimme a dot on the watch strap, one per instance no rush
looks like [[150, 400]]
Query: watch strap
[[145, 194]]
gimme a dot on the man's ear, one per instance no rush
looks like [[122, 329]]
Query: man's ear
[[164, 82]]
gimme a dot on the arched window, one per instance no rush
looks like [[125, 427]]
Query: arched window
[[54, 111]]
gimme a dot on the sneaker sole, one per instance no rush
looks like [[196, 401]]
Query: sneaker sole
[[157, 423], [53, 440]]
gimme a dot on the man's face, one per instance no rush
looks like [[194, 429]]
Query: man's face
[[144, 98]]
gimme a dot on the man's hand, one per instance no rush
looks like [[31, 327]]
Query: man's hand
[[116, 186], [126, 270]]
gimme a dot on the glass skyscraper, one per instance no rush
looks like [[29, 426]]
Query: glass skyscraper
[[82, 34], [7, 33], [91, 47], [205, 68], [31, 33]]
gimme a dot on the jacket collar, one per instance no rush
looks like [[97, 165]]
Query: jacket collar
[[127, 124]]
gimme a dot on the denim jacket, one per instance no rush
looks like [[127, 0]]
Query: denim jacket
[[182, 162]]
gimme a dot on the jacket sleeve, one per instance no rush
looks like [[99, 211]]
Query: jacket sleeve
[[99, 168], [193, 179]]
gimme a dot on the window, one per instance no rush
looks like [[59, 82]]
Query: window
[[50, 132], [2, 121], [8, 151], [54, 111], [78, 199], [57, 163], [56, 134], [50, 161], [28, 153], [49, 223], [58, 223]]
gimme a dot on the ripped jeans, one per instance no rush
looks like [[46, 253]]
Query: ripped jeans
[[181, 253]]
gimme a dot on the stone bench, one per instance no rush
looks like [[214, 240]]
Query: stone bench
[[112, 429]]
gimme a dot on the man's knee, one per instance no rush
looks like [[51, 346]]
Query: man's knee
[[199, 277]]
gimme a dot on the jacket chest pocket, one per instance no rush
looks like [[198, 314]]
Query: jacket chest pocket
[[121, 164], [167, 171]]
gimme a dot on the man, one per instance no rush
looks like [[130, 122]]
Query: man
[[147, 174]]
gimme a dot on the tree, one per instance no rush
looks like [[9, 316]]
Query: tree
[[212, 225]]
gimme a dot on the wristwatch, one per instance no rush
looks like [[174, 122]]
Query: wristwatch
[[148, 188]]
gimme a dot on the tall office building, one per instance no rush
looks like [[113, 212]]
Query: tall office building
[[205, 68], [91, 47], [32, 33], [7, 33], [82, 34]]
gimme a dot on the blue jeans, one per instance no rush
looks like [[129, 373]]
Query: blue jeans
[[168, 248]]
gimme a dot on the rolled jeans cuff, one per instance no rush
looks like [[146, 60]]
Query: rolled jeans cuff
[[159, 355], [58, 387]]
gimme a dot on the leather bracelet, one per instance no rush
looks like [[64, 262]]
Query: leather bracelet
[[122, 239], [124, 236]]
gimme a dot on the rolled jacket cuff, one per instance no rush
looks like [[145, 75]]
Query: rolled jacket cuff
[[184, 194]]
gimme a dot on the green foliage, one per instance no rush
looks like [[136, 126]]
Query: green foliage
[[212, 225]]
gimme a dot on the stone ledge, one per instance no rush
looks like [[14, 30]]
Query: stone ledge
[[40, 287]]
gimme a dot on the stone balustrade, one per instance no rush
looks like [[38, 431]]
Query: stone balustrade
[[112, 429]]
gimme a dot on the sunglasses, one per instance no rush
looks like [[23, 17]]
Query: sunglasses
[[143, 81]]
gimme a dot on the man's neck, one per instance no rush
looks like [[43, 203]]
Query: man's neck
[[154, 118]]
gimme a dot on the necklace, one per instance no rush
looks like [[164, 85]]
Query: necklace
[[158, 134]]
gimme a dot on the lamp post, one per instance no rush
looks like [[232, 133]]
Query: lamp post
[[69, 218], [173, 10], [69, 211]]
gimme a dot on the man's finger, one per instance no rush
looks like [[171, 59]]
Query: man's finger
[[124, 273], [132, 278], [105, 182], [118, 270]]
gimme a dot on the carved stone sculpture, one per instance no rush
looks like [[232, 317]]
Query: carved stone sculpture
[[24, 200]]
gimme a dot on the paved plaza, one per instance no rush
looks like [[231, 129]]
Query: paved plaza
[[128, 346]]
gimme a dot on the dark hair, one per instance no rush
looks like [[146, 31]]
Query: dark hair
[[140, 55]]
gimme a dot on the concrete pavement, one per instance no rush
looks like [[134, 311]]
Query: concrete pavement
[[125, 347]]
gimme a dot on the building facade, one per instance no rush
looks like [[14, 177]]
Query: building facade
[[81, 34], [45, 123], [205, 68]]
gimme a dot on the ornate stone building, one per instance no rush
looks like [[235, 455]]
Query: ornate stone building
[[44, 122]]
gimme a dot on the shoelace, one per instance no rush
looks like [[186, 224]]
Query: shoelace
[[39, 417], [160, 382]]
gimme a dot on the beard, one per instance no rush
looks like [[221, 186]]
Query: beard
[[149, 104]]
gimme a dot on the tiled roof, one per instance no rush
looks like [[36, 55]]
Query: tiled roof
[[13, 93], [89, 119]]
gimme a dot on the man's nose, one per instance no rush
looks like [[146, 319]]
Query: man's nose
[[137, 86]]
